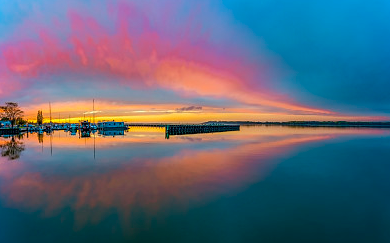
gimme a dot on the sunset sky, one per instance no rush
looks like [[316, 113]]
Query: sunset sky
[[197, 60]]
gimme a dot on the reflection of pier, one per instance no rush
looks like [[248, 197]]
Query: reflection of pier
[[182, 129], [192, 129]]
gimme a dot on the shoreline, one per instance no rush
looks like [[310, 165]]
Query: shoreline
[[310, 124]]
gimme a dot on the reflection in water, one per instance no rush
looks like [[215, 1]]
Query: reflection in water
[[139, 176], [12, 149], [73, 132], [85, 134], [185, 176], [112, 133], [150, 183], [40, 137]]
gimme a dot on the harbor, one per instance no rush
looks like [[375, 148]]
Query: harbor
[[112, 127]]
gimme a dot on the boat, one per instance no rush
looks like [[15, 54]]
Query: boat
[[85, 126], [47, 129]]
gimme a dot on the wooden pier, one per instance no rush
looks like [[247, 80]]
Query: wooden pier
[[146, 125], [193, 129], [182, 129]]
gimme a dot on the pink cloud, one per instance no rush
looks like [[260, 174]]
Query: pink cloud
[[141, 52]]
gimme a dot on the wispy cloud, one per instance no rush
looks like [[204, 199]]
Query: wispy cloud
[[92, 112]]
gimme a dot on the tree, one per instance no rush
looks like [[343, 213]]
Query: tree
[[11, 111], [39, 118], [20, 121]]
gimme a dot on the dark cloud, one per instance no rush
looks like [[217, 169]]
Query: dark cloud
[[189, 108]]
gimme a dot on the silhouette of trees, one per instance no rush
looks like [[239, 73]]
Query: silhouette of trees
[[12, 149], [20, 121], [39, 118], [11, 111]]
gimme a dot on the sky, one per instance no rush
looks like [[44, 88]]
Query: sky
[[197, 60]]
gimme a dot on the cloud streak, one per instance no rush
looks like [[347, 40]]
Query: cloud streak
[[190, 108]]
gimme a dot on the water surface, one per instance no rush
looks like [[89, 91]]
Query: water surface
[[260, 184]]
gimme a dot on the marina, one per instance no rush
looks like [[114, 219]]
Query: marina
[[111, 127]]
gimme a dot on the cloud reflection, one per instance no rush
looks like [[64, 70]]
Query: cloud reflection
[[188, 177]]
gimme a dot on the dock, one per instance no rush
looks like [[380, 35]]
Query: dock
[[193, 129], [182, 129], [146, 125]]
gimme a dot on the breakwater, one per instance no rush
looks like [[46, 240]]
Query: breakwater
[[193, 129], [182, 129]]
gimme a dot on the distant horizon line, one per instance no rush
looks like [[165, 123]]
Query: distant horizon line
[[220, 121]]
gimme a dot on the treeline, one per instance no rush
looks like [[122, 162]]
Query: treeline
[[18, 121], [310, 123]]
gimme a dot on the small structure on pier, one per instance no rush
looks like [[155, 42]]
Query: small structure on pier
[[111, 125]]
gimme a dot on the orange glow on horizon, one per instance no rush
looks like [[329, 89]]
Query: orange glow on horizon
[[204, 117], [63, 112]]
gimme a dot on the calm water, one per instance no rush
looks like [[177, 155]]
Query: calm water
[[260, 184]]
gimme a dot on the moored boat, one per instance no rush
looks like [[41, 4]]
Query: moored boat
[[85, 126]]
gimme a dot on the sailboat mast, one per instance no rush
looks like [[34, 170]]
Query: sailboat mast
[[93, 107], [50, 112]]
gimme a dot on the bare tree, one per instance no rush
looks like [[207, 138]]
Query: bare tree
[[11, 111]]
